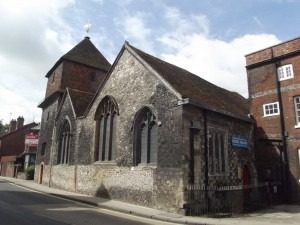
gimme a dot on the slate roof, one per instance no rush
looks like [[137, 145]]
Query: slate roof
[[13, 143], [80, 100], [198, 90], [85, 53]]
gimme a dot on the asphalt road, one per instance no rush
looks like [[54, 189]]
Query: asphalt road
[[19, 206]]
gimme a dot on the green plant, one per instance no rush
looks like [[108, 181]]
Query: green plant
[[29, 172]]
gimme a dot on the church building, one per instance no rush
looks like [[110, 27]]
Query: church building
[[143, 131]]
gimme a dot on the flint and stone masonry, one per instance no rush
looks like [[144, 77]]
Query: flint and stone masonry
[[136, 81]]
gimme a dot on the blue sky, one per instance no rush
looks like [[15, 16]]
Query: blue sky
[[206, 37]]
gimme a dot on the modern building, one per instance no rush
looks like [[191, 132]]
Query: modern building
[[274, 91], [143, 131]]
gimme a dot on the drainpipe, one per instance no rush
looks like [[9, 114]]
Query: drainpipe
[[284, 160], [192, 157], [206, 158]]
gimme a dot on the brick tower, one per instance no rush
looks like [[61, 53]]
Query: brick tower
[[83, 69]]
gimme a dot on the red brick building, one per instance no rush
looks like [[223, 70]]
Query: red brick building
[[274, 92], [12, 146]]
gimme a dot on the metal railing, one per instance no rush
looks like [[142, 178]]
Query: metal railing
[[221, 201]]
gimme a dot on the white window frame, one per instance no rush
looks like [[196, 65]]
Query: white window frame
[[297, 111], [285, 72], [266, 114]]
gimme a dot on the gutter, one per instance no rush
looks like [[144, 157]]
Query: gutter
[[187, 101]]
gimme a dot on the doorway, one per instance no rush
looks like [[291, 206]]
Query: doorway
[[246, 177], [41, 174]]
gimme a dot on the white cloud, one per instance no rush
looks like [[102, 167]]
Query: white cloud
[[186, 24], [191, 46], [217, 61], [22, 104], [105, 44], [34, 35], [134, 29]]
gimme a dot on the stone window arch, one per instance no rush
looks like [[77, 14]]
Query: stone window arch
[[145, 137], [106, 120], [64, 143]]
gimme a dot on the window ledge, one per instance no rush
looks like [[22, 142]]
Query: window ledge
[[286, 78], [297, 126], [266, 116], [144, 166], [105, 163]]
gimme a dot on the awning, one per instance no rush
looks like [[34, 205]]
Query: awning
[[8, 158]]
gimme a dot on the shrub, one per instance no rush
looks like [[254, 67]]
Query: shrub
[[29, 173]]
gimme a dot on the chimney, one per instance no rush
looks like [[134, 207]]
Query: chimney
[[20, 122], [12, 125]]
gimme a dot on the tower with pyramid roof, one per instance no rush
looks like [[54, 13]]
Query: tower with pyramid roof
[[82, 70]]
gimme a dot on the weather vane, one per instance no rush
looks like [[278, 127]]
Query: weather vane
[[87, 28]]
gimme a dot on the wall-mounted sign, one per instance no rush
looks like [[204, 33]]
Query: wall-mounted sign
[[31, 139], [239, 142]]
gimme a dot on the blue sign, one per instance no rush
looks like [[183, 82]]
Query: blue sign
[[239, 142]]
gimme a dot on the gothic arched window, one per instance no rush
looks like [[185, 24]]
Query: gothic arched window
[[105, 117], [145, 137], [64, 143]]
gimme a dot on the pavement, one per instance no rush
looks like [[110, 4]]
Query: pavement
[[279, 214]]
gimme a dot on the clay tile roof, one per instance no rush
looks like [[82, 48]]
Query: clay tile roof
[[197, 89], [80, 100], [48, 100], [85, 53]]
